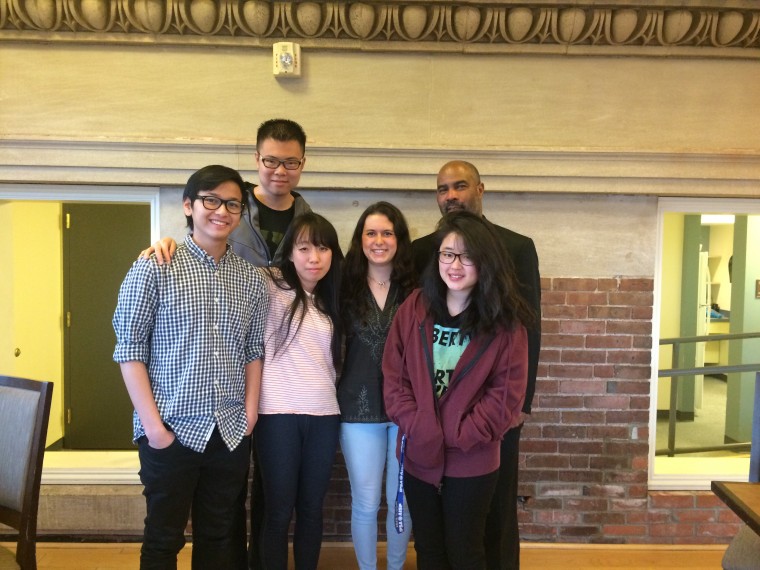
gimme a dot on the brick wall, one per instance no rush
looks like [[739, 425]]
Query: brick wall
[[585, 450]]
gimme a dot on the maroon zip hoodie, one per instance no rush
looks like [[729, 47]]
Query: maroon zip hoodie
[[458, 434]]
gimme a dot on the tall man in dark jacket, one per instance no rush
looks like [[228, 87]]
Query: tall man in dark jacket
[[459, 188]]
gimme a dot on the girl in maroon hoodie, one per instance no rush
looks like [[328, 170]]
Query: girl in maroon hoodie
[[455, 369]]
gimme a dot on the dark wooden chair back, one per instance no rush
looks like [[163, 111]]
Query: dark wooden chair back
[[24, 415]]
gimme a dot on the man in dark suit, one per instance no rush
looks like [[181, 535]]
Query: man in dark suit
[[459, 188]]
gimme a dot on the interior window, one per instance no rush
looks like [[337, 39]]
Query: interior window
[[37, 319], [706, 286]]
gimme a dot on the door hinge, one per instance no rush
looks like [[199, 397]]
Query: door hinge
[[68, 319], [68, 415], [68, 221]]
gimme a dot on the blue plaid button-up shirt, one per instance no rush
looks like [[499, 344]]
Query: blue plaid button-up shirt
[[195, 324]]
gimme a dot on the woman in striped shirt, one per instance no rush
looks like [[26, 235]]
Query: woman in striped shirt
[[299, 418]]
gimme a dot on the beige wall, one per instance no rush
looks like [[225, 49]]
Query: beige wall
[[445, 101]]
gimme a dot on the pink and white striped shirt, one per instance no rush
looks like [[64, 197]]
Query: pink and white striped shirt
[[298, 375]]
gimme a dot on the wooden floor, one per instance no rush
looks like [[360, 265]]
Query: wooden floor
[[340, 556]]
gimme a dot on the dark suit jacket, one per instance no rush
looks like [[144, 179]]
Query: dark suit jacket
[[522, 250]]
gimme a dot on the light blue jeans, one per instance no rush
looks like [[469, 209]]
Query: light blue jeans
[[370, 449]]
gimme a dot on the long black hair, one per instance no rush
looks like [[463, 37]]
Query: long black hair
[[354, 297], [316, 230], [495, 301]]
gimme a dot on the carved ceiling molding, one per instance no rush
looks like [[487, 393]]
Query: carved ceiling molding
[[657, 28]]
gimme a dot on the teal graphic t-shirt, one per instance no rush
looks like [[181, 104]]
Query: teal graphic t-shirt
[[448, 345]]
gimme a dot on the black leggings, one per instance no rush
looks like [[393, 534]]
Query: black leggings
[[449, 526]]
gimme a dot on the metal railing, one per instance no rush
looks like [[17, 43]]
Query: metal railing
[[675, 375]]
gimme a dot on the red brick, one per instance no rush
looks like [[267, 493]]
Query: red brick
[[696, 515], [554, 517], [586, 504], [610, 463], [642, 341], [604, 518], [582, 387], [671, 500], [728, 516], [554, 402], [580, 447], [650, 516], [578, 464], [712, 529], [548, 327], [539, 416], [615, 387], [584, 475], [707, 500], [564, 312], [549, 355], [625, 530], [643, 284], [607, 402], [583, 356], [639, 491], [564, 432], [641, 462], [633, 372], [605, 312], [591, 417], [607, 284], [634, 298], [628, 417], [560, 340], [639, 402], [629, 357], [671, 530], [629, 477], [546, 386], [604, 371], [538, 446], [539, 503], [609, 341], [578, 532], [629, 327], [607, 431], [587, 298], [642, 313], [573, 284], [584, 327], [570, 371], [551, 461], [613, 447], [549, 298]]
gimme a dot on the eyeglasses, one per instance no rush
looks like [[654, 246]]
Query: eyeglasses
[[448, 258], [274, 163], [214, 203]]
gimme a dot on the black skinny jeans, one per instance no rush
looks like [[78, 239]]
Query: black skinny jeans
[[179, 480], [296, 453]]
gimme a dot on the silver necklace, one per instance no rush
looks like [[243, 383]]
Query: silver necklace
[[381, 283]]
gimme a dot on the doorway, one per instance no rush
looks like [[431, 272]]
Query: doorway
[[100, 242]]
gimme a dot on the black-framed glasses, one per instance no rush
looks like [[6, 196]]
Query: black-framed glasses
[[214, 203], [274, 163], [448, 258]]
